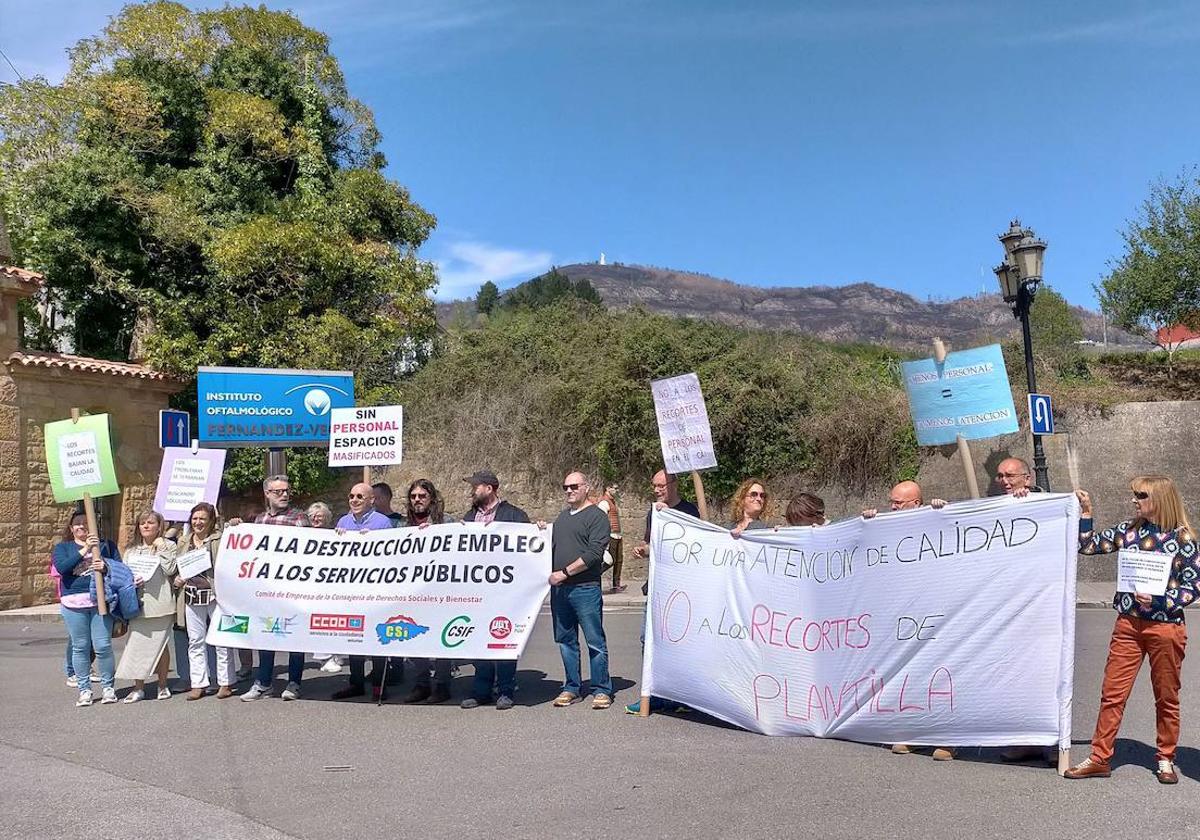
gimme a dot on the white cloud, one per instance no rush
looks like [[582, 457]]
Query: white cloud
[[466, 265]]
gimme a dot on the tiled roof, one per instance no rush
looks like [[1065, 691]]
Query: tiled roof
[[83, 364], [21, 274]]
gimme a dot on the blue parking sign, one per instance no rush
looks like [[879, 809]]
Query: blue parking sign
[[269, 407], [1041, 414]]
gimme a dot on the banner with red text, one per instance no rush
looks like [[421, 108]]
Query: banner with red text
[[950, 627], [456, 591]]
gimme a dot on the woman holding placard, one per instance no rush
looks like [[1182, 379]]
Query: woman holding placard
[[199, 546], [151, 556], [1150, 623], [75, 558]]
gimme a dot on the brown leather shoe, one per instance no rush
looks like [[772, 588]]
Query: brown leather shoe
[[566, 698], [195, 694], [901, 749], [1166, 773], [1088, 769], [224, 691], [943, 754]]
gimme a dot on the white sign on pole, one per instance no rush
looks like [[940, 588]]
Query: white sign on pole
[[947, 628], [454, 591], [683, 428], [1143, 572], [195, 562], [366, 437]]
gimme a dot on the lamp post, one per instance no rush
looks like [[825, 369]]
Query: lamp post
[[1019, 276]]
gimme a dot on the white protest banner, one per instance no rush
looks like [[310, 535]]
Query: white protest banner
[[1143, 572], [683, 428], [366, 437], [194, 563], [186, 479], [460, 591], [945, 628]]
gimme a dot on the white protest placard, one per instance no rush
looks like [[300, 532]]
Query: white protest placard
[[79, 451], [366, 437], [143, 564], [1143, 572], [457, 591], [683, 428], [195, 562], [187, 478], [951, 627]]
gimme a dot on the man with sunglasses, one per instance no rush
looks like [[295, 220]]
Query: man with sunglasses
[[580, 538], [425, 508], [362, 517], [499, 675], [278, 493]]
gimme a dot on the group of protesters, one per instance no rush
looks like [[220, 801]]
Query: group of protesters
[[586, 540]]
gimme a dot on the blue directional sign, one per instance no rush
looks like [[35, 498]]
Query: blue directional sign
[[269, 407], [966, 395], [1041, 414], [174, 428]]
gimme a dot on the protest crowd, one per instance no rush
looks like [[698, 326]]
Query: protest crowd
[[149, 608]]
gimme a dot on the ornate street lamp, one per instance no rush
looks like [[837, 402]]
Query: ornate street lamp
[[1019, 276]]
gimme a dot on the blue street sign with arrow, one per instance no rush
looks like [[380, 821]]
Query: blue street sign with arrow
[[174, 428], [1041, 414]]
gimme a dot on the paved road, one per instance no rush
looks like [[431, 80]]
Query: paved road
[[228, 769]]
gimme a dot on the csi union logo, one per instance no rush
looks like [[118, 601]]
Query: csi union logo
[[500, 627], [456, 631]]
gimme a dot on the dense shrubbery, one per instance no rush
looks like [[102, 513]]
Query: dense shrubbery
[[568, 384]]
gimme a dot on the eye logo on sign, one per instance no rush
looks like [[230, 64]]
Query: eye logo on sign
[[456, 631], [399, 628], [317, 401]]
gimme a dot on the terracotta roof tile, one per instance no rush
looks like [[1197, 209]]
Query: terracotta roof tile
[[21, 274], [84, 364]]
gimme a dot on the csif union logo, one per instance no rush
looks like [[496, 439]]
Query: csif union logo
[[399, 628], [457, 631]]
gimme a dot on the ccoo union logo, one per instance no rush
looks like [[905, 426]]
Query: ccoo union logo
[[399, 628], [456, 631], [337, 622]]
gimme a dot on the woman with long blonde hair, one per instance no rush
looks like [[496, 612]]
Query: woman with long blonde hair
[[749, 506], [146, 653], [1147, 625]]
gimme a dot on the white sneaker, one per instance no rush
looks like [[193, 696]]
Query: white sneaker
[[292, 692], [332, 665], [85, 699], [134, 696], [256, 691], [73, 681], [164, 693], [109, 696]]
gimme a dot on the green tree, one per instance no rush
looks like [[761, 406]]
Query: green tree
[[1155, 284], [203, 187], [548, 289], [1056, 331], [485, 301]]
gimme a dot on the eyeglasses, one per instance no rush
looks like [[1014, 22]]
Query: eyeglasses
[[418, 495], [282, 492], [570, 487], [756, 494], [659, 486], [1140, 496], [357, 496], [1011, 475]]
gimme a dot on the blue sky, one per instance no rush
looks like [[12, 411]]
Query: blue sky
[[772, 143]]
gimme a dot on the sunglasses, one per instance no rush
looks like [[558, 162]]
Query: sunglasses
[[418, 495], [357, 496], [755, 494], [1140, 496], [569, 487]]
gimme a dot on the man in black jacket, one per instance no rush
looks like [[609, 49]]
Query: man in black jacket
[[488, 507]]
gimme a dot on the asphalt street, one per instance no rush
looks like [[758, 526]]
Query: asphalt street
[[318, 769]]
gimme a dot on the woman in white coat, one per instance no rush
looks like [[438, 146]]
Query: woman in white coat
[[200, 603], [152, 558]]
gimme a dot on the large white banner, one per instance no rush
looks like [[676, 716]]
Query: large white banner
[[460, 591], [949, 627]]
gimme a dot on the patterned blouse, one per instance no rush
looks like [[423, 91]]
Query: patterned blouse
[[1146, 536]]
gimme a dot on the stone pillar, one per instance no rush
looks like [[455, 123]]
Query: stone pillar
[[13, 289]]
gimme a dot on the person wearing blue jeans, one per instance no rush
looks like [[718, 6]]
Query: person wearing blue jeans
[[91, 633], [578, 543], [75, 558], [500, 673]]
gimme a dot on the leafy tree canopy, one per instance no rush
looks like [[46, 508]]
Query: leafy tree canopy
[[547, 289], [203, 187]]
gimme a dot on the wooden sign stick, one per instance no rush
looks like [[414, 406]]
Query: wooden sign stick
[[964, 449], [89, 511], [701, 503], [366, 475]]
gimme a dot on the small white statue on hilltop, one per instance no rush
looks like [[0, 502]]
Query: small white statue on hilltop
[[601, 258]]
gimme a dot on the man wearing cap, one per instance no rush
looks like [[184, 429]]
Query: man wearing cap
[[500, 675]]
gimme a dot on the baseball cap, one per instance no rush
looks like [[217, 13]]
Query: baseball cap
[[483, 477]]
